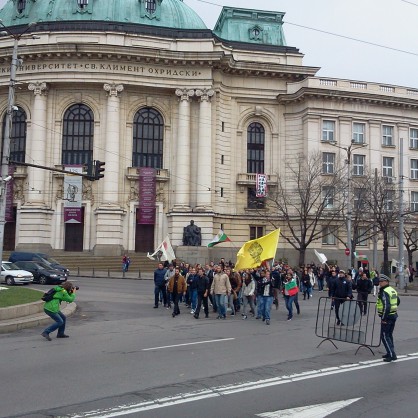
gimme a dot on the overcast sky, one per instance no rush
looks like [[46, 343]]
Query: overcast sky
[[390, 23]]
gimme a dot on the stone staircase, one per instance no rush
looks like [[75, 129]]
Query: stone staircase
[[85, 262]]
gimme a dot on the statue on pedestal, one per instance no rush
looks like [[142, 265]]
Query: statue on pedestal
[[192, 235]]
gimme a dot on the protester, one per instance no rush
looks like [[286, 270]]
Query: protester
[[341, 291], [177, 286], [364, 288], [159, 285], [248, 290], [203, 288], [221, 288]]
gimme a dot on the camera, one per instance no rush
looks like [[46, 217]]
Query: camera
[[74, 288]]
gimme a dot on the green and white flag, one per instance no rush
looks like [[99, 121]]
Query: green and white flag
[[360, 256], [221, 237]]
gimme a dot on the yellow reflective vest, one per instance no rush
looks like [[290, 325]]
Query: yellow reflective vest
[[387, 302]]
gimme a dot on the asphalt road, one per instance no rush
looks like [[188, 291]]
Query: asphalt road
[[122, 353]]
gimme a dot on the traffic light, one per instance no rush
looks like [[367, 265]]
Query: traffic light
[[98, 170], [90, 170]]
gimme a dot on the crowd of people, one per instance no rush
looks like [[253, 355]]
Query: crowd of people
[[253, 292]]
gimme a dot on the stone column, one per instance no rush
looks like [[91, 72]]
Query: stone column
[[182, 190], [204, 158], [37, 144], [111, 156]]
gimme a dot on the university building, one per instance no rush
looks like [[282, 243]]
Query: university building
[[147, 86]]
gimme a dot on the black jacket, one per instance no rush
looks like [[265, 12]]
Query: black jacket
[[341, 288], [364, 286], [202, 284]]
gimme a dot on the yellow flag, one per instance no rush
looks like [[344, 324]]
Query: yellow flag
[[254, 252]]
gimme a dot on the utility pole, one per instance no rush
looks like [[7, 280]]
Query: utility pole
[[4, 172], [349, 245], [401, 256]]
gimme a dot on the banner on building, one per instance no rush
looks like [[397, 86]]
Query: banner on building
[[261, 185], [147, 196], [73, 188], [9, 215]]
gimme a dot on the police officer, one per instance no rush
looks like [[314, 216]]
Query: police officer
[[387, 307]]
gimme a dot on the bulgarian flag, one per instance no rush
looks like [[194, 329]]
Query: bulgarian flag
[[221, 237], [360, 256]]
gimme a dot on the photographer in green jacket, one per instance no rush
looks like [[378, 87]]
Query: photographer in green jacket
[[66, 293]]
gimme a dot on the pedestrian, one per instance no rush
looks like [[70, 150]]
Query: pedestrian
[[266, 291], [124, 260], [64, 292], [177, 286], [290, 292], [203, 288], [191, 281], [159, 285], [248, 289], [235, 281], [128, 263], [221, 288], [307, 285], [341, 291], [321, 279], [376, 287], [364, 288], [387, 309]]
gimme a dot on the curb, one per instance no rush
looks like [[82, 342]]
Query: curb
[[32, 321]]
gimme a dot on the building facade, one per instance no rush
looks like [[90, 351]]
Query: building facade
[[149, 86]]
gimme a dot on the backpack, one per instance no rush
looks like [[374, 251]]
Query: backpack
[[48, 296]]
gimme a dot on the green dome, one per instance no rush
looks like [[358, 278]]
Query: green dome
[[161, 13]]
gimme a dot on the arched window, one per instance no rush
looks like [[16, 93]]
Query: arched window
[[148, 139], [255, 148], [17, 135], [77, 137], [150, 6], [21, 5]]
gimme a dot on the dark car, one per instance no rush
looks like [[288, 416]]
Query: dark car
[[38, 257], [42, 273]]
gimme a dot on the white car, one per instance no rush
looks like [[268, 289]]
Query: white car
[[12, 275]]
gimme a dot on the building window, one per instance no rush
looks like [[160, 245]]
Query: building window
[[328, 236], [17, 135], [358, 164], [82, 3], [413, 138], [150, 6], [148, 133], [328, 130], [414, 201], [359, 198], [256, 232], [391, 238], [388, 199], [328, 162], [362, 241], [387, 170], [328, 194], [414, 169], [387, 135], [255, 148], [254, 202], [256, 33], [77, 138], [21, 5], [359, 130]]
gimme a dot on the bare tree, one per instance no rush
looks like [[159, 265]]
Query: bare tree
[[381, 200], [307, 201]]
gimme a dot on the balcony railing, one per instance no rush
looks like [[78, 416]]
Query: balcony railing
[[162, 175], [249, 179]]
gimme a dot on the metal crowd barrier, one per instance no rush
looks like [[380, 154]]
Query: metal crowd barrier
[[355, 327]]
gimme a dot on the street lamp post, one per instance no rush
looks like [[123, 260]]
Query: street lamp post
[[349, 150], [4, 172]]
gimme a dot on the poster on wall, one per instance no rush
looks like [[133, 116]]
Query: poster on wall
[[261, 185], [73, 187], [147, 196]]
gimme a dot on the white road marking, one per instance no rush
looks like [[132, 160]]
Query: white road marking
[[310, 411], [181, 345], [135, 408]]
